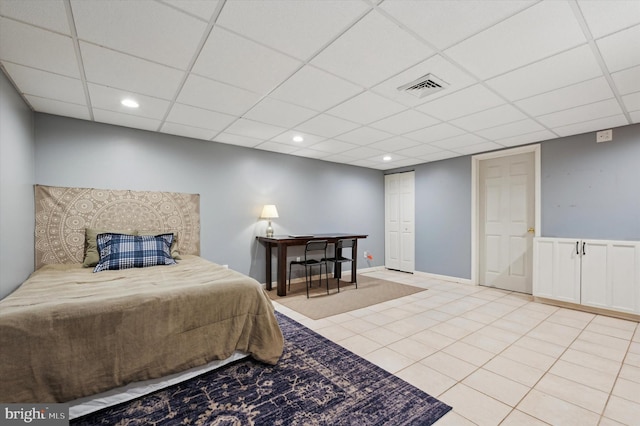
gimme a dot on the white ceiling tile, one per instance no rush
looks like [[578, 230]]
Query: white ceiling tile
[[363, 152], [444, 23], [333, 146], [401, 162], [512, 129], [238, 140], [435, 133], [627, 81], [187, 131], [442, 155], [65, 109], [394, 144], [232, 59], [476, 149], [383, 48], [364, 136], [327, 126], [567, 97], [463, 102], [276, 147], [108, 98], [45, 84], [438, 66], [403, 122], [202, 9], [632, 101], [604, 17], [418, 151], [287, 138], [459, 141], [309, 153], [592, 126], [126, 120], [37, 48], [366, 108], [539, 31], [278, 113], [49, 14], [254, 129], [369, 164], [340, 158], [564, 69], [542, 135], [110, 68], [635, 116], [489, 118], [579, 114], [209, 94], [620, 50], [140, 28], [315, 89], [198, 117], [298, 28]]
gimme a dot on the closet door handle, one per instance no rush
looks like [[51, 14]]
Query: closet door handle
[[583, 252], [578, 248]]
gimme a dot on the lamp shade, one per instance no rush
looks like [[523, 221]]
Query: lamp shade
[[269, 211]]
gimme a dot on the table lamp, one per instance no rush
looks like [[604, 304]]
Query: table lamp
[[269, 211]]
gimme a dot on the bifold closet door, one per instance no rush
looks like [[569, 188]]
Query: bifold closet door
[[400, 221]]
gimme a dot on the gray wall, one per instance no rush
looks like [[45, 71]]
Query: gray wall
[[17, 175], [234, 183], [592, 190], [443, 217]]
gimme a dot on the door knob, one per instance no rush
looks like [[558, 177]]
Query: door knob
[[531, 230]]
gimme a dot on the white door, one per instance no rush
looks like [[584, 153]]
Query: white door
[[507, 220], [400, 221]]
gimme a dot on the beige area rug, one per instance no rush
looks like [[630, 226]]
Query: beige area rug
[[370, 291]]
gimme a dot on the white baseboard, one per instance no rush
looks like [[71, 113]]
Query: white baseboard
[[465, 281]]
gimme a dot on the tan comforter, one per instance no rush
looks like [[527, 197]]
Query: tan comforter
[[67, 332]]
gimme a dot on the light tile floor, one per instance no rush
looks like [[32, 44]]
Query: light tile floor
[[497, 357]]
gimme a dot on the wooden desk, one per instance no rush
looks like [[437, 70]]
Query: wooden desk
[[284, 241]]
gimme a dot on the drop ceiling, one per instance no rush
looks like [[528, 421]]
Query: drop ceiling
[[257, 73]]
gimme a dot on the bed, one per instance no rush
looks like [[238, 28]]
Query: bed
[[68, 334]]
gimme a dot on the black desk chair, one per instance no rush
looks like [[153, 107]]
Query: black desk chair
[[339, 258], [316, 248]]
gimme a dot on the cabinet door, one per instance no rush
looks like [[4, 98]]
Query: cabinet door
[[557, 269], [610, 275]]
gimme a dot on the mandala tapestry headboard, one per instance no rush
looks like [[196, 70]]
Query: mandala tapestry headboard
[[63, 214]]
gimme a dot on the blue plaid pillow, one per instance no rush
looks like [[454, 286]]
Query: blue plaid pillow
[[120, 251]]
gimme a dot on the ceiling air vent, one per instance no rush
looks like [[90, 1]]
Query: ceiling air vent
[[424, 86]]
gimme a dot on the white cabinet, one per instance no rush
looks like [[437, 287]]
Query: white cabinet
[[598, 273], [556, 266]]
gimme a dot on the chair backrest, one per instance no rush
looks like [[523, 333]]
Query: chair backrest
[[346, 243], [316, 245]]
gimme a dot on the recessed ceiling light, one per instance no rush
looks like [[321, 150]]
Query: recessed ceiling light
[[130, 103], [386, 158], [298, 138]]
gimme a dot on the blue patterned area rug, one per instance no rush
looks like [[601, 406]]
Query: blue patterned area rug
[[316, 382]]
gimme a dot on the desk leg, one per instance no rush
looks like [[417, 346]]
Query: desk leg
[[282, 270], [354, 264], [267, 249], [337, 272]]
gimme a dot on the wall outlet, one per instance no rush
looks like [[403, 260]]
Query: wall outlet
[[604, 136], [366, 254], [298, 259]]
